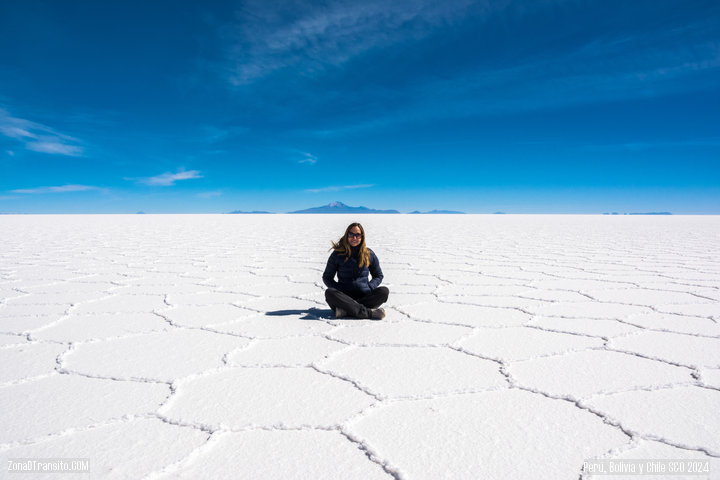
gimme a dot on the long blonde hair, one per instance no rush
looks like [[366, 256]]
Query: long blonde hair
[[343, 247]]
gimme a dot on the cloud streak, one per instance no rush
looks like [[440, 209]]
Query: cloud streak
[[37, 137], [56, 189], [168, 179], [316, 38]]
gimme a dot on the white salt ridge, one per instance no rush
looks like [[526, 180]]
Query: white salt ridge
[[315, 454], [491, 435], [80, 328], [239, 398], [402, 372], [25, 361], [581, 374], [519, 343], [201, 346], [679, 348], [292, 351], [681, 416], [463, 314], [204, 315], [161, 356], [118, 450], [53, 404]]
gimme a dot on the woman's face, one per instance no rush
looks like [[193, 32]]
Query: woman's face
[[354, 236]]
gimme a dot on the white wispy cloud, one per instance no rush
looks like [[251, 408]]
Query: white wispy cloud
[[337, 188], [38, 137], [312, 38], [56, 189], [308, 158], [168, 179]]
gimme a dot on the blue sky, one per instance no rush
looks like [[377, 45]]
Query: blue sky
[[481, 106]]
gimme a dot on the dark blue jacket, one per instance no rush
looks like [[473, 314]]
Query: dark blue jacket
[[352, 279]]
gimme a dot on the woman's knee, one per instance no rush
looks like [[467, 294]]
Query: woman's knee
[[383, 293]]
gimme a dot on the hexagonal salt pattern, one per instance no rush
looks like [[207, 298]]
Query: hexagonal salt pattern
[[201, 346], [316, 454], [265, 397], [59, 402], [494, 435], [117, 450], [414, 371], [679, 416], [580, 374]]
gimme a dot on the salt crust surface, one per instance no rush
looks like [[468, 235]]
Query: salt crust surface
[[199, 346]]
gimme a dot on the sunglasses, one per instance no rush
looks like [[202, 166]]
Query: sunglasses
[[354, 235]]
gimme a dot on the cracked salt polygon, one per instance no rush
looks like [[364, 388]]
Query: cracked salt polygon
[[518, 343], [709, 310], [178, 290], [642, 296], [676, 323], [581, 285], [399, 289], [10, 311], [463, 314], [25, 361], [27, 324], [292, 351], [681, 415], [278, 454], [412, 279], [590, 310], [494, 301], [275, 326], [399, 299], [79, 328], [206, 298], [205, 315], [66, 298], [459, 290], [400, 333], [580, 374], [123, 303], [125, 449], [553, 295], [672, 347], [585, 326], [161, 356], [414, 371], [490, 435], [70, 287], [53, 404], [281, 288], [242, 397]]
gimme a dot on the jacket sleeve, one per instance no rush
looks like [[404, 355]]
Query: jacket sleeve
[[375, 271], [330, 271]]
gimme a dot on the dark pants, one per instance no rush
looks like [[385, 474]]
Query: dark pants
[[358, 308]]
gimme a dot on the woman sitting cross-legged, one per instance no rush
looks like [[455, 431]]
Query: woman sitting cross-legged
[[353, 295]]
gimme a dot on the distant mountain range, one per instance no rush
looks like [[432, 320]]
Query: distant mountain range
[[443, 212], [339, 207]]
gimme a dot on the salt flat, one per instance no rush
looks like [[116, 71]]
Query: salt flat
[[199, 346]]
